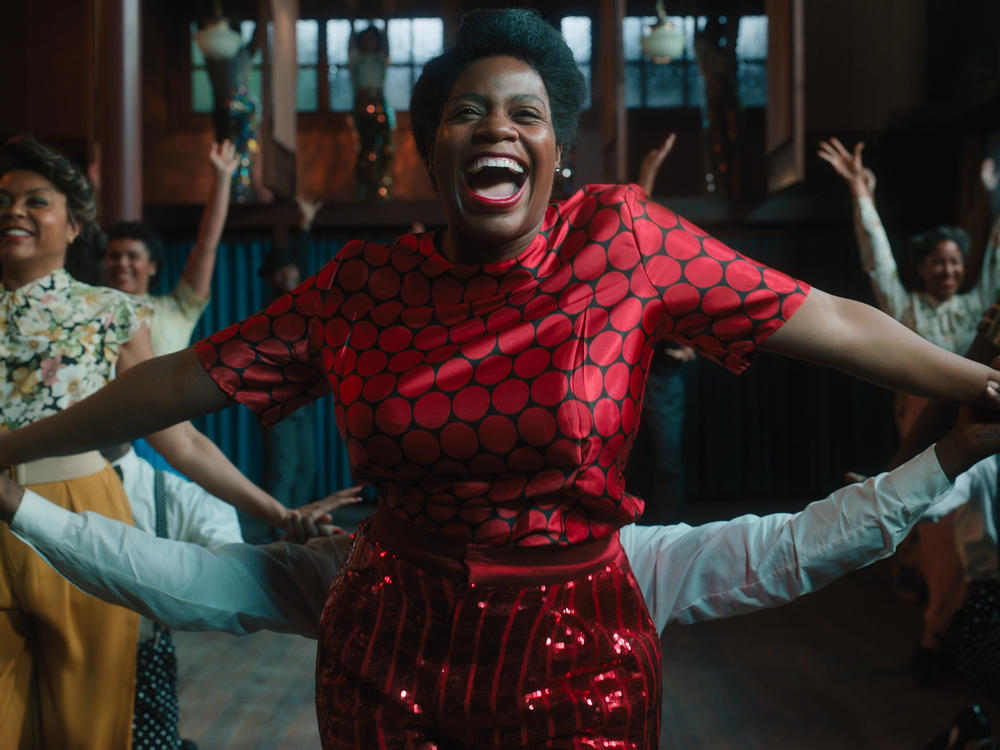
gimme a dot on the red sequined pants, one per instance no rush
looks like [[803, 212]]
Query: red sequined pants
[[425, 644]]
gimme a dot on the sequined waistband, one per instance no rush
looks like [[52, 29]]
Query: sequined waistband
[[488, 564]]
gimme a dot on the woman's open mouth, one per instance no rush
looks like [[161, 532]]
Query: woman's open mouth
[[495, 181]]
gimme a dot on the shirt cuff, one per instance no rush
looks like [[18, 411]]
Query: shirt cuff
[[920, 481], [37, 520]]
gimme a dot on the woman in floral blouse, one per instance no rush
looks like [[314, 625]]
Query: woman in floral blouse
[[67, 661]]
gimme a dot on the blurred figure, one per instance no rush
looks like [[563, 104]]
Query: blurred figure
[[373, 118], [655, 470], [136, 252], [289, 445]]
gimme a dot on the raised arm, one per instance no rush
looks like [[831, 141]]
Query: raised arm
[[201, 261], [858, 339], [652, 162], [873, 243]]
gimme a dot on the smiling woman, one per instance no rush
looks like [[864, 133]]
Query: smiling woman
[[488, 379], [67, 661], [61, 341]]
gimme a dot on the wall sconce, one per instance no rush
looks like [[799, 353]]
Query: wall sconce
[[663, 43], [217, 40]]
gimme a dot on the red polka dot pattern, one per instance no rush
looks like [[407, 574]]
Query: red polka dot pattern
[[496, 404]]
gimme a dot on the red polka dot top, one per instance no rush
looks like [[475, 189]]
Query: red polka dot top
[[496, 403]]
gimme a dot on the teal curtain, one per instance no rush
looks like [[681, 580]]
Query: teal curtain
[[237, 291]]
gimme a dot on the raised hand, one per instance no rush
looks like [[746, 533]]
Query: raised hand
[[307, 210], [849, 166], [652, 161], [224, 158], [680, 353], [989, 175]]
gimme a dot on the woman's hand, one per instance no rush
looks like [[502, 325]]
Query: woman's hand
[[849, 166], [989, 175], [308, 521], [651, 163], [224, 159], [307, 211], [972, 439]]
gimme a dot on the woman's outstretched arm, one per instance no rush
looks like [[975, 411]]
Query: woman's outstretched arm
[[866, 343], [143, 399]]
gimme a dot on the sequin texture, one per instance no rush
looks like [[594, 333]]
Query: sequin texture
[[413, 658]]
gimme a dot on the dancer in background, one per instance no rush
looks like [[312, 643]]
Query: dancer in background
[[938, 312], [135, 256]]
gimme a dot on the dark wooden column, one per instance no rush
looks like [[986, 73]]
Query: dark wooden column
[[611, 90], [119, 116]]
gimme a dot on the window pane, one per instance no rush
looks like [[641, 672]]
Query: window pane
[[306, 96], [361, 24], [585, 70], [400, 40], [341, 91], [338, 37], [197, 59], [696, 87], [686, 25], [428, 39], [753, 83], [631, 34], [307, 42], [255, 82], [201, 91], [751, 41], [246, 31], [665, 85], [576, 32], [633, 85], [397, 87]]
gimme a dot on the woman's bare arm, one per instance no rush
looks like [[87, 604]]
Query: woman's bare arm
[[866, 343], [148, 395]]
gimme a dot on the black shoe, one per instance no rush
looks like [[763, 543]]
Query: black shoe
[[188, 745], [932, 666], [970, 731]]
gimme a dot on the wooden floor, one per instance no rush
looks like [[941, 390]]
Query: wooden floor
[[827, 671]]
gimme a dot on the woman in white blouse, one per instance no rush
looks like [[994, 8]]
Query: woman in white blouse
[[938, 312], [935, 309]]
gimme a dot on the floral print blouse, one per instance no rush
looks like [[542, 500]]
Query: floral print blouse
[[59, 344]]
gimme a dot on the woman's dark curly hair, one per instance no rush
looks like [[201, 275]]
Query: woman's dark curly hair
[[923, 244], [516, 32], [84, 253], [136, 230]]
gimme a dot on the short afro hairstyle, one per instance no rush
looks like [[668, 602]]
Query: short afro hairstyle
[[921, 245], [24, 152], [136, 230], [516, 32]]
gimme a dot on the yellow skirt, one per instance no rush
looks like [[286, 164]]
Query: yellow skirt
[[67, 660]]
